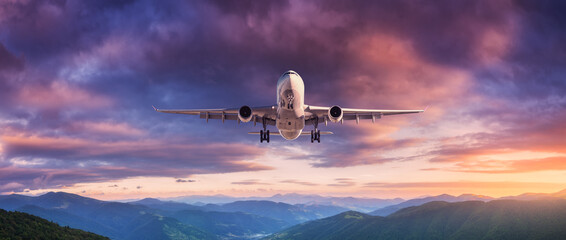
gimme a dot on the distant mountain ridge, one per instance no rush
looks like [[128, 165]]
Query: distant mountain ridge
[[110, 219], [385, 211], [237, 220], [419, 201], [497, 219], [291, 214], [359, 204], [246, 219]]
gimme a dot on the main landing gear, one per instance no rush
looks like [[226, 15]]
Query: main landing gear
[[315, 134], [264, 134]]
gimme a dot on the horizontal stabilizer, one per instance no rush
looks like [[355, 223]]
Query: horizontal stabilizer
[[302, 134], [270, 133], [321, 133]]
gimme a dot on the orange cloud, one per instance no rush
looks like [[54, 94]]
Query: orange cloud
[[512, 166], [464, 185]]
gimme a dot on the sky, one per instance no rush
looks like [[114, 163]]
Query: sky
[[78, 80]]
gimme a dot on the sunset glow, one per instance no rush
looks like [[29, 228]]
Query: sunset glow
[[78, 81]]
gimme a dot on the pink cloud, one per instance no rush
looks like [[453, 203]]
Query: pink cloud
[[303, 183], [60, 95], [107, 128], [390, 73], [42, 161], [250, 182]]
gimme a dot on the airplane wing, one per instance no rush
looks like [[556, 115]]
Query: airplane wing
[[258, 113], [321, 113]]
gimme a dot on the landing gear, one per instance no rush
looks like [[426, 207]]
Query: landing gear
[[264, 134], [315, 134]]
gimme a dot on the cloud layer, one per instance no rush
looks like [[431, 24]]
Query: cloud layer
[[77, 80]]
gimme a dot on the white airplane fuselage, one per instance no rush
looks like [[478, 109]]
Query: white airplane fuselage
[[290, 119], [290, 114]]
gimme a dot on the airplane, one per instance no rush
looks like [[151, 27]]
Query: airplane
[[290, 115]]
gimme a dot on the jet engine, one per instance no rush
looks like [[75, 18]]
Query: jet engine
[[335, 114], [245, 114]]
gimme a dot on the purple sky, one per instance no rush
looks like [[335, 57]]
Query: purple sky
[[78, 79]]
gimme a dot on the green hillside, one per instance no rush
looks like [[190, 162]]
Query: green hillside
[[153, 227], [18, 225], [233, 225], [501, 219]]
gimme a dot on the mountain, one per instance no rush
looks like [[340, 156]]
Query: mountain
[[215, 199], [237, 225], [322, 211], [66, 219], [535, 196], [561, 194], [419, 201], [11, 202], [150, 218], [18, 225], [151, 227], [165, 205], [359, 204], [291, 214], [112, 219], [497, 219], [352, 203]]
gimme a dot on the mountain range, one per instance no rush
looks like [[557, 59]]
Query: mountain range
[[253, 219], [419, 201], [155, 219], [352, 203], [497, 219], [464, 197]]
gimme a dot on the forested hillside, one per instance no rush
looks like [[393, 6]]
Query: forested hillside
[[18, 225]]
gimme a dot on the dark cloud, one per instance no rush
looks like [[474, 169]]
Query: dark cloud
[[350, 149], [8, 61], [185, 180], [78, 80]]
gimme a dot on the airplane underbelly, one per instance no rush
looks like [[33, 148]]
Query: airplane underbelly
[[290, 135], [290, 126]]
